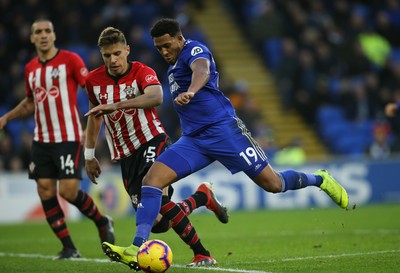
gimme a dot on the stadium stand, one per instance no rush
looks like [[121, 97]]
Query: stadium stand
[[317, 49]]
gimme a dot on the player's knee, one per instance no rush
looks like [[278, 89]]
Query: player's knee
[[270, 183], [150, 180], [68, 194], [273, 185], [45, 193], [68, 189], [146, 180]]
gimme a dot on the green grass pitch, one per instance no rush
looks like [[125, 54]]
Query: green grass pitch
[[321, 240]]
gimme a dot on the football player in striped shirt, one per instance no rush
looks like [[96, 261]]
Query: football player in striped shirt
[[52, 79], [123, 94]]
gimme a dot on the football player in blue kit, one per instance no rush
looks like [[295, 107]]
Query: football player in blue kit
[[211, 131]]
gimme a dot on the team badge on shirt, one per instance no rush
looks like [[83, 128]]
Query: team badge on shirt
[[129, 91], [55, 74]]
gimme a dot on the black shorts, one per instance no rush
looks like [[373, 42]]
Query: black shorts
[[56, 160], [135, 166]]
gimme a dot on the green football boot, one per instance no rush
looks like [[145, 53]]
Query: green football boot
[[125, 255], [333, 189]]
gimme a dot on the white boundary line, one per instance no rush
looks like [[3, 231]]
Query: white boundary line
[[378, 252], [343, 255], [40, 256], [213, 268]]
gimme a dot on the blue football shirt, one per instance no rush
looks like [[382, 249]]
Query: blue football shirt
[[209, 105]]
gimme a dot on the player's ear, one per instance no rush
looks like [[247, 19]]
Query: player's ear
[[181, 39]]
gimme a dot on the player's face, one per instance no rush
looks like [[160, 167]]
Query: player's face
[[115, 58], [43, 36], [169, 47]]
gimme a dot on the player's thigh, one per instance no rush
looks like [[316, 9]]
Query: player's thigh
[[159, 176], [269, 180], [68, 188], [237, 150], [42, 165], [67, 157], [46, 188], [185, 157]]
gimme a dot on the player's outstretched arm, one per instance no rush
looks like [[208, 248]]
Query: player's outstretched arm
[[25, 108], [200, 75], [152, 97]]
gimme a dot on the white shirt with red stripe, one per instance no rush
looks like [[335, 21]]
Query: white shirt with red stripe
[[53, 86], [126, 130]]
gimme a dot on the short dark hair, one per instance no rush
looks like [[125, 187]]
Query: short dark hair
[[111, 36], [165, 26], [40, 20]]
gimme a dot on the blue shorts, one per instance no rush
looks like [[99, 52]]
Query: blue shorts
[[229, 142]]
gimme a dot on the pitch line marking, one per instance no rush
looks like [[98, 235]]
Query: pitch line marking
[[341, 255], [327, 256], [40, 256]]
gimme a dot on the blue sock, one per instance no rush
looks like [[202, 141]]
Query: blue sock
[[292, 180], [146, 214]]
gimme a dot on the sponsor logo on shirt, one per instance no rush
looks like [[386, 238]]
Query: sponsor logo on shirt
[[84, 71], [103, 96], [41, 93], [196, 50], [173, 86], [150, 78], [54, 91]]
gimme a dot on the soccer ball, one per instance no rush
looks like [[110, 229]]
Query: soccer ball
[[154, 256]]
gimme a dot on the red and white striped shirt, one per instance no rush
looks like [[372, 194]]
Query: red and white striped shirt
[[53, 86], [126, 130]]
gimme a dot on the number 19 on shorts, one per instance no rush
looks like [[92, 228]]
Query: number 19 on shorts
[[250, 153]]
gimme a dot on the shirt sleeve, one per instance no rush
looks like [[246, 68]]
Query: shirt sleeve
[[147, 77], [28, 90], [196, 52], [90, 93], [79, 69]]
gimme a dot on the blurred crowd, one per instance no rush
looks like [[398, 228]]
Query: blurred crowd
[[335, 62], [340, 54], [77, 25]]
